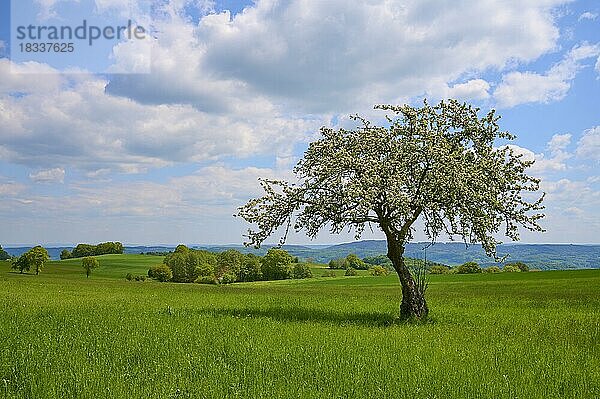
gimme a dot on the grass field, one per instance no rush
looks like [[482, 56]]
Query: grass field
[[513, 335]]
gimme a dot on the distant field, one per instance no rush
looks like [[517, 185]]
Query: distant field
[[512, 335]]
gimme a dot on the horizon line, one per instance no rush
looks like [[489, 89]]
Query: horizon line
[[130, 245]]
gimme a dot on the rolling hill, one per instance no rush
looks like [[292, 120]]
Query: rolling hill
[[540, 256]]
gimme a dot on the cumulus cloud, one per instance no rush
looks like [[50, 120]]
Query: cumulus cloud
[[591, 16], [542, 163], [475, 89], [254, 84], [240, 86], [556, 161], [81, 126], [55, 175], [337, 56], [559, 142], [588, 146], [531, 87]]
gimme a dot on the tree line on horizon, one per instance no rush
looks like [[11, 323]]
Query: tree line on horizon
[[186, 265], [86, 250]]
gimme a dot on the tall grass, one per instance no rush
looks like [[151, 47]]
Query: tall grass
[[525, 335]]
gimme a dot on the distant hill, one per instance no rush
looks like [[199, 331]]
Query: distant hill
[[540, 256]]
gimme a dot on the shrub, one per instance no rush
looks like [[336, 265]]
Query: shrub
[[160, 272], [355, 262], [378, 271], [468, 268], [276, 265], [492, 269], [140, 278], [522, 266], [129, 277], [437, 269], [511, 269], [350, 272], [65, 254], [337, 263], [206, 280], [377, 260], [228, 278], [301, 270], [328, 273]]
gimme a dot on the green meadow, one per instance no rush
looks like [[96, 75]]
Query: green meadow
[[508, 335]]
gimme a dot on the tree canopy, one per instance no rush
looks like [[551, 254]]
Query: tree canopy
[[104, 248], [3, 254], [89, 263], [440, 164], [34, 259]]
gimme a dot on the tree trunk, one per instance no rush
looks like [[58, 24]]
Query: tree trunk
[[413, 303]]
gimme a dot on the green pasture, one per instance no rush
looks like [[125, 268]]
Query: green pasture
[[508, 335]]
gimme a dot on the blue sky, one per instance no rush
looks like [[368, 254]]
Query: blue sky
[[237, 89]]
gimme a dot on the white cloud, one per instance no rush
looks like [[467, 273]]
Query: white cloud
[[143, 211], [588, 146], [10, 188], [213, 190], [79, 125], [29, 77], [543, 163], [531, 87], [241, 86], [559, 142], [588, 15], [475, 89], [55, 175], [338, 56]]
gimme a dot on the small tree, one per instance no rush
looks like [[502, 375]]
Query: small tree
[[89, 263], [34, 259], [277, 265], [188, 264], [337, 263], [65, 254], [440, 164], [230, 262], [251, 269], [3, 254], [468, 268], [355, 262]]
